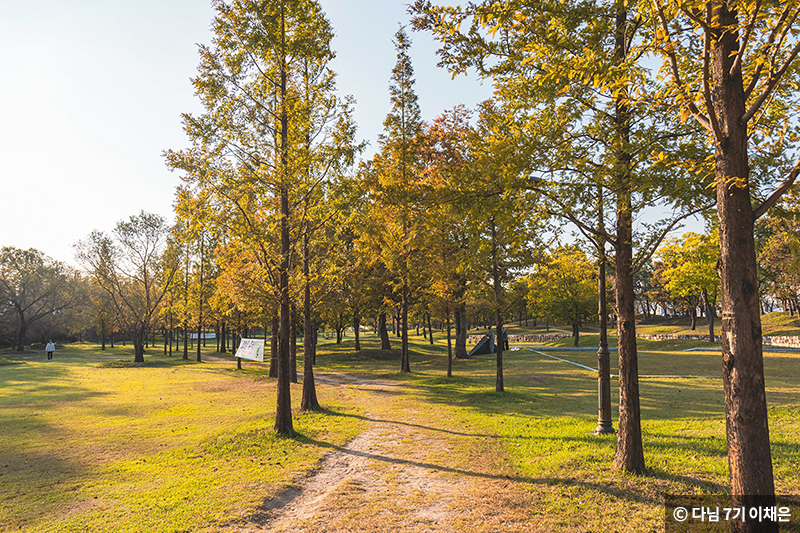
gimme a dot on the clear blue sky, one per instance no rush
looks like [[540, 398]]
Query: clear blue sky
[[91, 93]]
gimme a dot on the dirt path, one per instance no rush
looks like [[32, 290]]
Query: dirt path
[[400, 474]]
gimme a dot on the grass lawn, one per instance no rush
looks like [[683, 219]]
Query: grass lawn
[[185, 446], [89, 444]]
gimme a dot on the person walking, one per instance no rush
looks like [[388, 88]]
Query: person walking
[[50, 348]]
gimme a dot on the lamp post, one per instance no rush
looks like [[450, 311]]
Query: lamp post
[[604, 425]]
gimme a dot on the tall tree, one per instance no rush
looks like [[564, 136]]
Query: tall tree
[[571, 76], [564, 289], [732, 69], [398, 178], [33, 287], [269, 100], [131, 268], [692, 271]]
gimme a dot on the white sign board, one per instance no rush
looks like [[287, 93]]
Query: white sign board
[[252, 349]]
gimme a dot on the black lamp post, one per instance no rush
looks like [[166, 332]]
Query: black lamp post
[[604, 425]]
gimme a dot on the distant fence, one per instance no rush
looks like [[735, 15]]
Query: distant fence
[[782, 342], [779, 341], [473, 339], [672, 337]]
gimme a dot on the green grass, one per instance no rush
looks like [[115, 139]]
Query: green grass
[[94, 444], [542, 427]]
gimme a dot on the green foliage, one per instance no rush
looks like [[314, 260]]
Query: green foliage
[[691, 265], [564, 287], [133, 271], [34, 288]]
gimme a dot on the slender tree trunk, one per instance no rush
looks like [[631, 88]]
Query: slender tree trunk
[[693, 315], [711, 315], [315, 335], [273, 347], [749, 454], [398, 320], [283, 408], [185, 341], [460, 314], [223, 345], [309, 400], [21, 332], [498, 319], [630, 451], [384, 335], [430, 330], [293, 345], [199, 334], [357, 328], [405, 363], [449, 347], [576, 334]]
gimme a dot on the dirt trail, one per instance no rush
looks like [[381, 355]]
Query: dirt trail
[[400, 474]]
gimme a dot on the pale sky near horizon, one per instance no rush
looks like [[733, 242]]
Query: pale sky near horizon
[[91, 94]]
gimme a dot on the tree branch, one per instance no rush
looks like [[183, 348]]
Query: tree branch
[[777, 193]]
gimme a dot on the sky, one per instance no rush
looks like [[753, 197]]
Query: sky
[[92, 91]]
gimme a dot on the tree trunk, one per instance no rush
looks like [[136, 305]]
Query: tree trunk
[[138, 338], [711, 315], [273, 347], [383, 333], [185, 342], [430, 330], [283, 408], [199, 334], [576, 335], [460, 314], [449, 347], [747, 428], [498, 319], [357, 328], [397, 322], [315, 335], [405, 363], [629, 455], [693, 314], [21, 332], [309, 401], [293, 345]]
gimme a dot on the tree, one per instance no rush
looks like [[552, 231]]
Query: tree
[[267, 130], [447, 157], [132, 271], [692, 272], [780, 253], [398, 180], [564, 288], [502, 222], [731, 68], [33, 287], [576, 93]]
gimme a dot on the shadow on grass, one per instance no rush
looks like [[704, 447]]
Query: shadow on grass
[[330, 412], [608, 489]]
